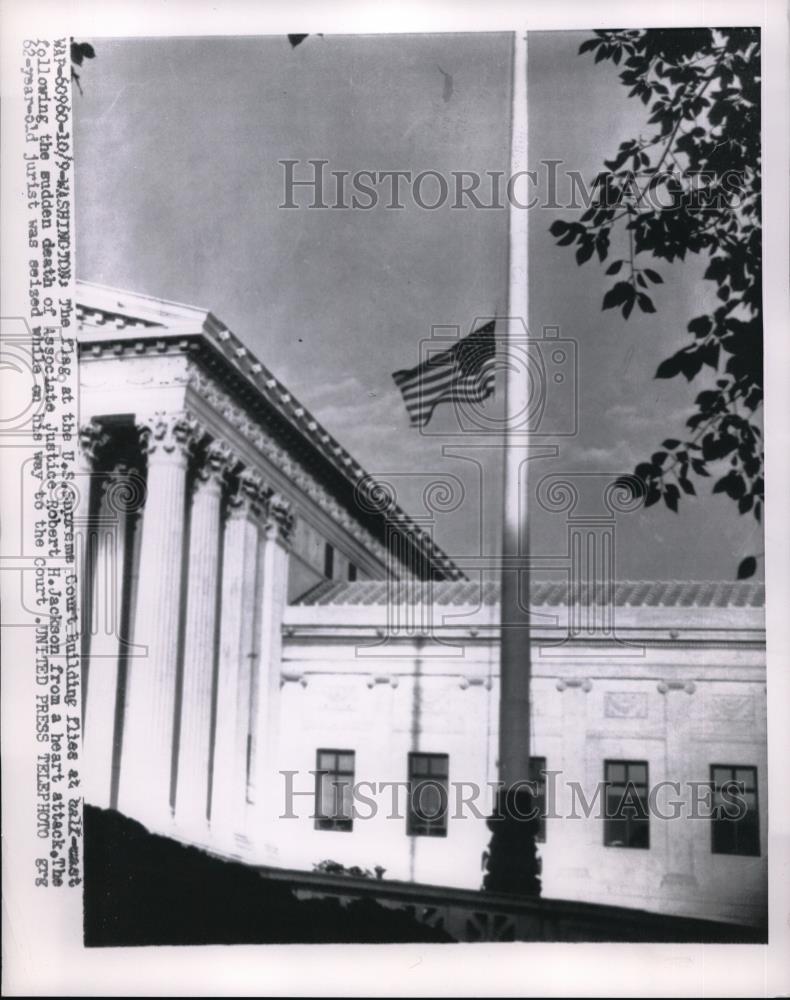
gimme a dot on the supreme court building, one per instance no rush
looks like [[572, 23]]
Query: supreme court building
[[263, 630]]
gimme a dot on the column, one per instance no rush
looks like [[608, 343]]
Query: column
[[237, 632], [121, 491], [146, 765], [679, 878], [194, 753], [275, 547], [572, 841]]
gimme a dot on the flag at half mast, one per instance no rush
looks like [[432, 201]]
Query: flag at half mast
[[465, 373]]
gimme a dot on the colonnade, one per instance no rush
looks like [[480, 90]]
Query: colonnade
[[185, 581]]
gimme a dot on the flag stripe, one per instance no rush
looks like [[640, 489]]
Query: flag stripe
[[431, 373], [435, 386], [469, 390], [419, 393], [421, 415], [464, 373]]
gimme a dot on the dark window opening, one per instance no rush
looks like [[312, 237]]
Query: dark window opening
[[334, 784], [736, 818], [428, 794], [626, 821], [352, 572]]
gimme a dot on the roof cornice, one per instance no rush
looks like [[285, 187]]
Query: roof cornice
[[117, 320]]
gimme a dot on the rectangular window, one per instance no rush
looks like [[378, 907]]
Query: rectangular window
[[334, 783], [352, 572], [626, 821], [537, 768], [428, 793], [736, 819], [329, 561]]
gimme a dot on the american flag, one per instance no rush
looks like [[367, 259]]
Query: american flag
[[465, 373]]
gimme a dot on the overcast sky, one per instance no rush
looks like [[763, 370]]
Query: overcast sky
[[178, 188]]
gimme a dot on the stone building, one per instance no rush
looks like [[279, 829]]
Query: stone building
[[276, 659]]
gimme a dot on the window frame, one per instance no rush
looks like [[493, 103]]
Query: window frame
[[537, 776], [716, 848], [630, 821], [337, 822], [417, 826]]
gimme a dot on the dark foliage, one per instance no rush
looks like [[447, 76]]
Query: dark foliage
[[691, 185], [80, 51], [141, 889]]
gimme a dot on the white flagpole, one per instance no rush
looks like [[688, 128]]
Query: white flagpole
[[515, 667]]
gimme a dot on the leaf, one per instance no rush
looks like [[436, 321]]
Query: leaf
[[688, 486], [558, 227], [618, 294], [614, 268], [699, 467], [589, 45], [646, 470], [670, 443], [80, 51], [654, 276], [645, 303], [296, 40], [732, 484], [701, 326], [670, 367], [671, 496], [747, 567]]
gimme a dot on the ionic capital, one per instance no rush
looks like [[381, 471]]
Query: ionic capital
[[666, 686], [93, 439], [281, 519], [250, 496], [215, 463], [168, 435]]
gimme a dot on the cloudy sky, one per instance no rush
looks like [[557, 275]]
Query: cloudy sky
[[179, 185]]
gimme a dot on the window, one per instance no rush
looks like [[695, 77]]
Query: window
[[626, 820], [427, 805], [352, 572], [537, 768], [334, 782], [736, 819], [329, 561]]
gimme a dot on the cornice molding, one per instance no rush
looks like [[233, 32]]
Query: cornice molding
[[196, 333], [236, 415]]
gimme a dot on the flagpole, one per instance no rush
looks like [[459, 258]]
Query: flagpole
[[515, 653]]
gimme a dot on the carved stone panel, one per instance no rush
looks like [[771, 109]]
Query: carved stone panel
[[625, 705], [729, 708]]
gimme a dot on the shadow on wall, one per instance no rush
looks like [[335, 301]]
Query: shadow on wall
[[142, 889]]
